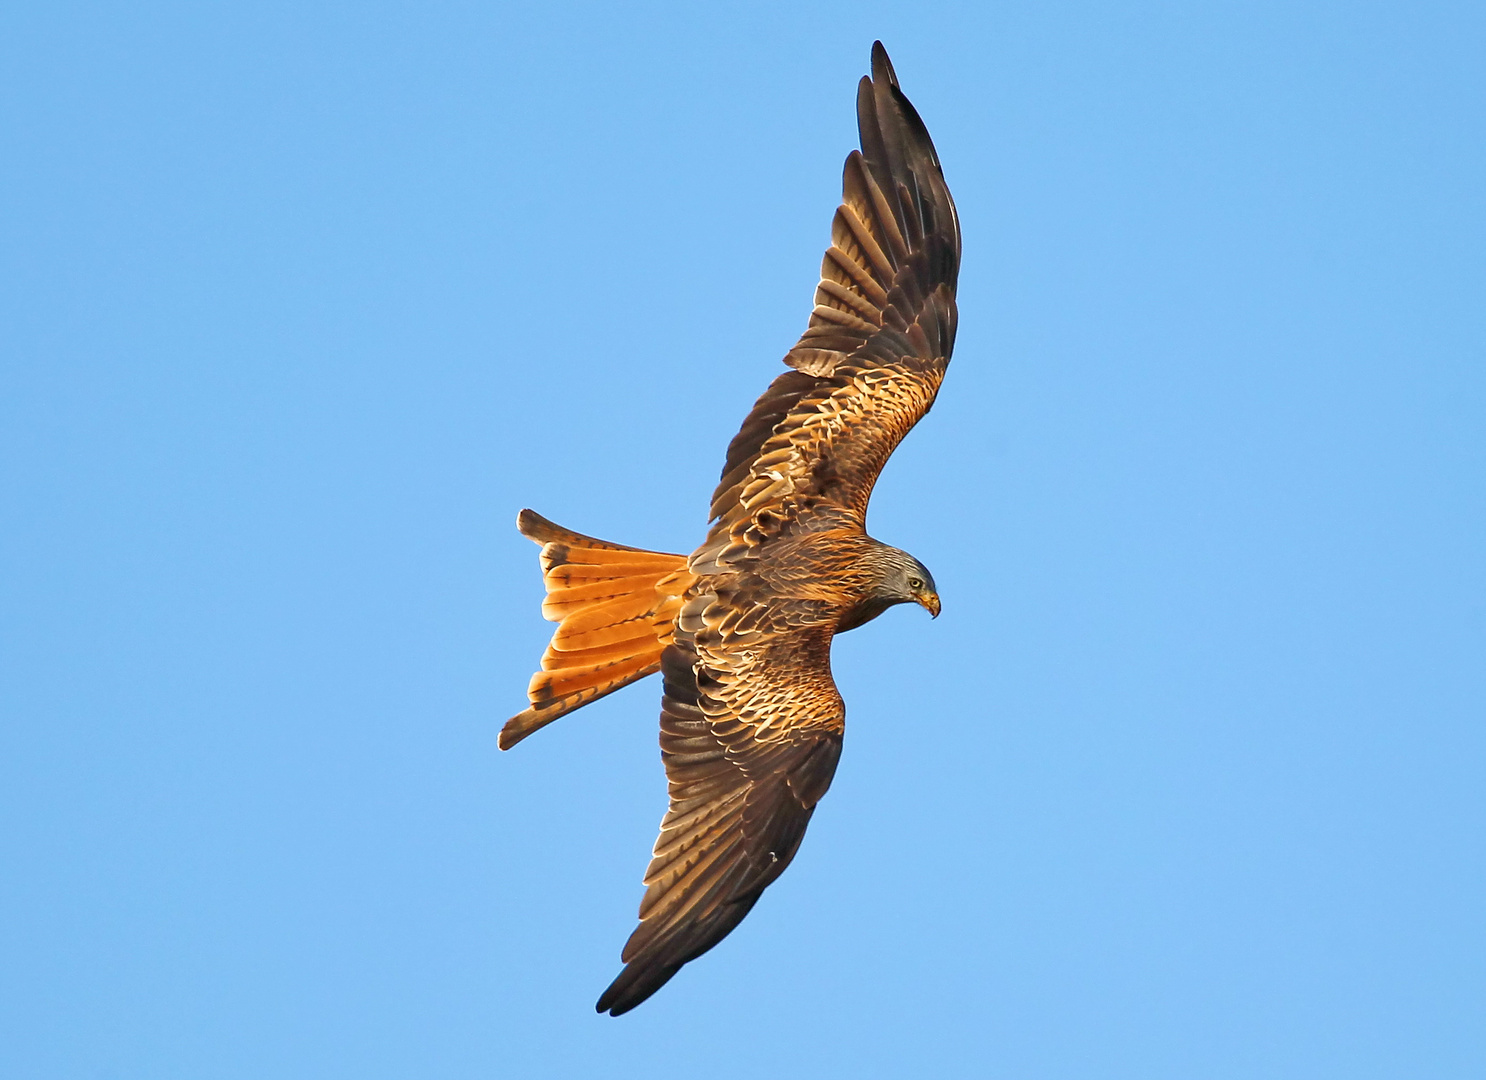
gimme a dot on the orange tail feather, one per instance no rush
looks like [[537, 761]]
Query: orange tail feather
[[615, 607]]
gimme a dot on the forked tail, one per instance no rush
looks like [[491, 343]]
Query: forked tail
[[615, 607]]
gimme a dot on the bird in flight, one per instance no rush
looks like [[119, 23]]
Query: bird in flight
[[740, 630]]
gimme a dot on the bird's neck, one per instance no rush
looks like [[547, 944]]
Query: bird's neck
[[864, 611]]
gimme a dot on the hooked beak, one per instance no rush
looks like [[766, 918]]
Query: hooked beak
[[931, 604]]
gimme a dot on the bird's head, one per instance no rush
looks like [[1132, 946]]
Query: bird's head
[[919, 585], [899, 578]]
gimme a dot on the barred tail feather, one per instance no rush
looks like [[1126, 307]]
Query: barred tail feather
[[615, 607]]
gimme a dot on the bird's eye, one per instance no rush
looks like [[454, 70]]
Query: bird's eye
[[915, 583]]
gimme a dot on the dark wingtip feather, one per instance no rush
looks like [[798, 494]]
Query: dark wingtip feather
[[882, 67], [634, 986], [869, 127]]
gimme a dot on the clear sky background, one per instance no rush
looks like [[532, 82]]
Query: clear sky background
[[302, 302]]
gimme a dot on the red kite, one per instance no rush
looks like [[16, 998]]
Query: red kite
[[741, 629]]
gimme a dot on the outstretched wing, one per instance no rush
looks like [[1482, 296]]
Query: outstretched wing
[[880, 336], [751, 728]]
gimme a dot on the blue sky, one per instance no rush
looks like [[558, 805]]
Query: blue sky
[[302, 302]]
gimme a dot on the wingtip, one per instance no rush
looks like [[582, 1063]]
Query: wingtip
[[609, 1002], [605, 1007], [632, 987], [882, 67]]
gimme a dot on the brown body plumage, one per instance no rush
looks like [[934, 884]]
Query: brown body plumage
[[741, 630]]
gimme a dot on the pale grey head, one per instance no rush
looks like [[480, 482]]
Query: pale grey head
[[892, 576]]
